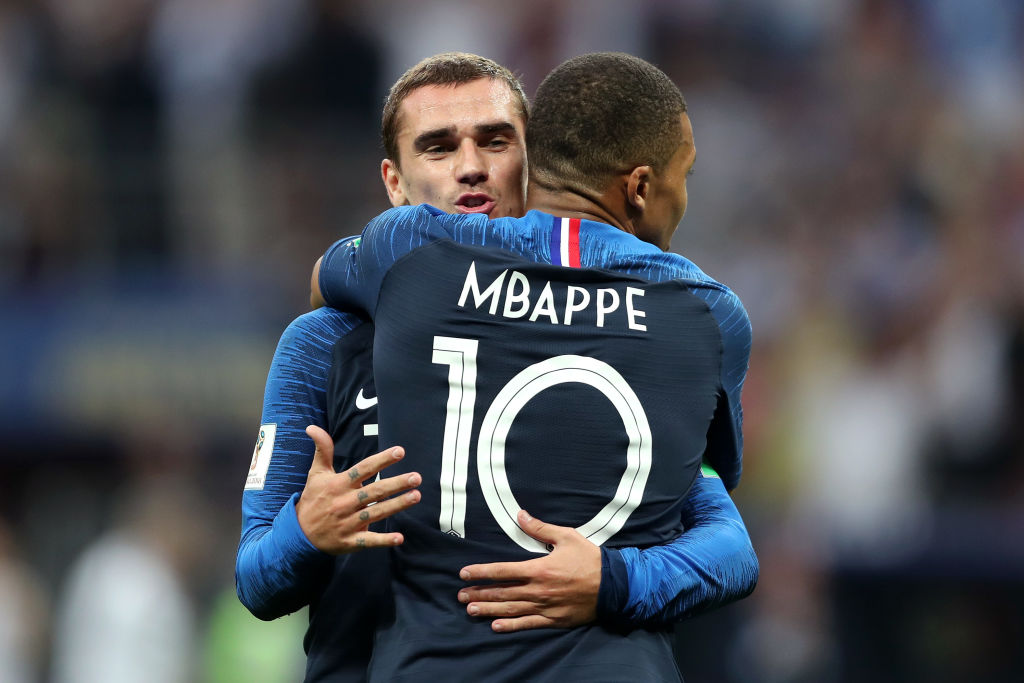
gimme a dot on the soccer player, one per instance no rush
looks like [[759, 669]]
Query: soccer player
[[562, 363], [301, 520], [461, 162]]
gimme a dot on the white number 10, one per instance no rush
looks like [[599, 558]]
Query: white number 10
[[460, 357]]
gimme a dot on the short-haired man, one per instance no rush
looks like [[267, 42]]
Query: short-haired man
[[453, 131], [299, 537], [557, 362]]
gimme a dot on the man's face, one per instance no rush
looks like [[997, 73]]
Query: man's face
[[666, 202], [461, 148]]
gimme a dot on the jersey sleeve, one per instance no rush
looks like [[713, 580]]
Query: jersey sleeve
[[712, 563], [725, 435], [277, 569], [353, 269]]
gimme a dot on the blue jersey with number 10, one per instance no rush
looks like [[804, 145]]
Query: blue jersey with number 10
[[554, 365]]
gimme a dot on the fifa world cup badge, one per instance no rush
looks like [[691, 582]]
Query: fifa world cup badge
[[256, 451], [261, 455]]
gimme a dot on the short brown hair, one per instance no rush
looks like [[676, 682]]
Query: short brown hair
[[601, 114], [448, 68]]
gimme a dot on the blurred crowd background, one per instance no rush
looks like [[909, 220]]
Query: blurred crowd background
[[170, 169]]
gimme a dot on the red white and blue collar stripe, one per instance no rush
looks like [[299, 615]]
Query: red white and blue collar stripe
[[565, 242]]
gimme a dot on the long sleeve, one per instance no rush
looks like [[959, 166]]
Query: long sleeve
[[725, 435], [711, 564], [277, 569]]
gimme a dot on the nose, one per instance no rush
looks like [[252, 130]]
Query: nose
[[470, 168]]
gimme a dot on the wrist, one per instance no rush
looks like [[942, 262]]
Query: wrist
[[290, 522]]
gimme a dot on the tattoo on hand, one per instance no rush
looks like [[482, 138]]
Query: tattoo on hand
[[362, 495], [361, 542], [364, 515], [353, 474]]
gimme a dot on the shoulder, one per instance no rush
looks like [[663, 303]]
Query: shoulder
[[724, 303], [324, 323], [404, 218], [404, 228], [309, 340]]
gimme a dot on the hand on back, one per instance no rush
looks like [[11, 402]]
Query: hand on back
[[336, 509]]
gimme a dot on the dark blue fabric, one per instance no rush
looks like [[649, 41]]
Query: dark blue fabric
[[681, 356]]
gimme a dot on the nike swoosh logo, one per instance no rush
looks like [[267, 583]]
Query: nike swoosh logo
[[362, 403]]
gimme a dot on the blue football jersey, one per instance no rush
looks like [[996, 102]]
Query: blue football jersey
[[321, 374], [556, 365]]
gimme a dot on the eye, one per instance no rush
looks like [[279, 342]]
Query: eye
[[690, 172], [437, 150], [497, 143]]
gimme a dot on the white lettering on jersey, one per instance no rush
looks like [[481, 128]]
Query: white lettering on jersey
[[632, 312], [261, 455], [492, 292], [571, 303], [555, 307], [604, 309], [522, 299], [545, 305]]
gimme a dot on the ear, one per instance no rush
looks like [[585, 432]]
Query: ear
[[638, 187], [392, 178]]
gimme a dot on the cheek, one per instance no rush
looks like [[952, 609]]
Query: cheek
[[511, 174], [425, 186]]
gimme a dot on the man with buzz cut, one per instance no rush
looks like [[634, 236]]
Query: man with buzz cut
[[453, 131], [561, 363]]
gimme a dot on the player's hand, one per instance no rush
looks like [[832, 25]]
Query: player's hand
[[334, 509], [558, 590]]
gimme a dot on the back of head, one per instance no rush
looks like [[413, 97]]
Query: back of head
[[447, 68], [599, 115]]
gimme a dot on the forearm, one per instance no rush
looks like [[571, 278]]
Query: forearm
[[711, 564], [277, 569], [273, 553]]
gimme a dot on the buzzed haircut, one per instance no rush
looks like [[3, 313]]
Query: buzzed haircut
[[448, 68], [601, 114]]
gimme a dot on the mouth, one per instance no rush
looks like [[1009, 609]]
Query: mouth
[[475, 202]]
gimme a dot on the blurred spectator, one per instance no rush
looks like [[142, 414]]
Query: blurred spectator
[[206, 54], [859, 182], [125, 613]]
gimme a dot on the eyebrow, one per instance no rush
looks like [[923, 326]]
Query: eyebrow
[[426, 138], [497, 127]]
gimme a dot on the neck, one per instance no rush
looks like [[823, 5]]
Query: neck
[[578, 203]]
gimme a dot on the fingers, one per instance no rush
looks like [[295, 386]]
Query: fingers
[[369, 515], [501, 609], [323, 457], [497, 593], [523, 623], [514, 615], [371, 539], [385, 488], [545, 533], [498, 571], [369, 467]]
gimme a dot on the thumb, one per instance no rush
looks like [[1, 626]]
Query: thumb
[[323, 458], [541, 531]]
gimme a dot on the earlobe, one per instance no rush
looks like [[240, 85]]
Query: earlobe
[[392, 178]]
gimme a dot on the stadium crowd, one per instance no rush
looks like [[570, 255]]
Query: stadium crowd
[[169, 170]]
